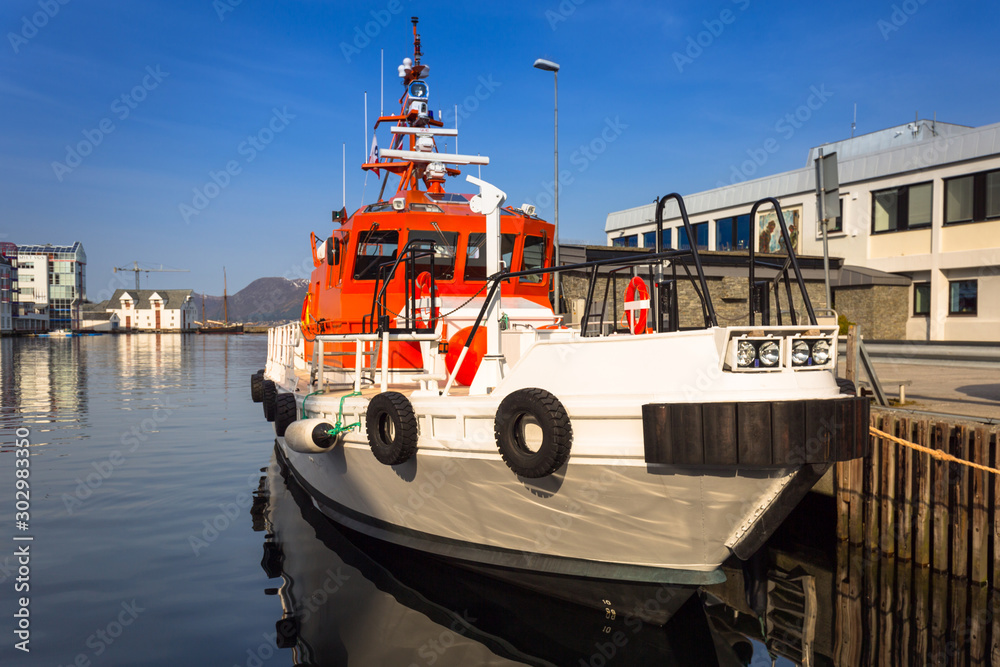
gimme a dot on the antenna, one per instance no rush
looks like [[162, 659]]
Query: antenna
[[416, 42], [456, 129], [381, 86], [854, 123], [344, 171]]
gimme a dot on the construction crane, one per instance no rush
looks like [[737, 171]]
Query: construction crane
[[136, 268]]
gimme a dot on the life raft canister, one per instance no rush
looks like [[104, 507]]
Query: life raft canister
[[636, 305], [473, 358]]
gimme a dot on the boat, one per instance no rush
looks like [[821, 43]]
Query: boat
[[60, 333], [345, 597], [214, 326], [432, 398]]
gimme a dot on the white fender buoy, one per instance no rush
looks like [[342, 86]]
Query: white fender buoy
[[309, 436]]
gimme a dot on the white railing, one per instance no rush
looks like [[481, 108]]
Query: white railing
[[281, 343]]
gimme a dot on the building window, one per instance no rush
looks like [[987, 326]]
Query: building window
[[921, 299], [700, 235], [732, 233], [972, 198], [626, 241], [649, 239], [838, 224], [902, 208], [963, 295]]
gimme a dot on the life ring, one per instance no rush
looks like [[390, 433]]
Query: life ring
[[636, 305], [425, 311], [533, 432], [392, 428]]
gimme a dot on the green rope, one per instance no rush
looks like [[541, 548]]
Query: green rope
[[320, 391], [337, 428]]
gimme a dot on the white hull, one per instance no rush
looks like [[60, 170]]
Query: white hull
[[588, 519]]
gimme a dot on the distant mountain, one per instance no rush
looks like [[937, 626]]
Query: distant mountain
[[263, 300]]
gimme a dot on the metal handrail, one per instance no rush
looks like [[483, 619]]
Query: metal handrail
[[790, 260]]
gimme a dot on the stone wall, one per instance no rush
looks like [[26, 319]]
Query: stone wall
[[880, 310]]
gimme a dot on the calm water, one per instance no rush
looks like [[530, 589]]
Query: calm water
[[165, 533]]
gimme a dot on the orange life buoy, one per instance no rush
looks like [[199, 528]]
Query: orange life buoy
[[425, 310], [473, 357], [636, 305]]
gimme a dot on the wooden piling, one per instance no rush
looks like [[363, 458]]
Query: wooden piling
[[939, 639], [904, 498], [958, 481], [939, 503], [904, 611], [921, 611], [886, 610], [887, 497], [978, 625], [922, 480], [979, 517], [873, 479]]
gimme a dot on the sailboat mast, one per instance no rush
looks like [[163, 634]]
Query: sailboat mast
[[225, 298]]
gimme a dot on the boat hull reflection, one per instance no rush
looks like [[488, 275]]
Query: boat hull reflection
[[346, 597]]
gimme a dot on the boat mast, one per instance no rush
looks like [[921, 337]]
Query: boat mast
[[225, 298]]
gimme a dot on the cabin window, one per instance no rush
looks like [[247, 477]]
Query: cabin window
[[475, 259], [534, 258], [445, 250], [375, 248]]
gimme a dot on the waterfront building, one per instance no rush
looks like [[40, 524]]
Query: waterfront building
[[52, 283], [97, 317], [920, 213], [8, 287], [154, 310]]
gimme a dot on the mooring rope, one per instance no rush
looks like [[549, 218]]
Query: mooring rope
[[935, 453]]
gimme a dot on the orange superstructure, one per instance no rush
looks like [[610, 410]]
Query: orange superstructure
[[405, 262]]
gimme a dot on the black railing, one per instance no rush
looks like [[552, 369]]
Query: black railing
[[760, 291], [379, 318]]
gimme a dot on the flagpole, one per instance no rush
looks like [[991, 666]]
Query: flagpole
[[344, 172]]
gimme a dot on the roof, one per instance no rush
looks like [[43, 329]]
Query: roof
[[863, 158], [862, 276], [172, 298], [48, 248], [96, 315]]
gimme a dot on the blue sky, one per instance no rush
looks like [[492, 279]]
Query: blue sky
[[653, 97]]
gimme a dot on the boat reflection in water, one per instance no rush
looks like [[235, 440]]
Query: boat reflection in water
[[349, 598]]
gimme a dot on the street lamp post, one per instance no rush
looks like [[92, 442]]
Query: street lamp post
[[549, 66]]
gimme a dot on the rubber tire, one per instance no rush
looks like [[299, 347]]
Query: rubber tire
[[395, 409], [846, 387], [285, 410], [257, 387], [557, 432], [269, 392]]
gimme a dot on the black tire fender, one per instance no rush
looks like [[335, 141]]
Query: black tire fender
[[257, 387], [392, 428], [533, 406], [284, 412], [268, 393]]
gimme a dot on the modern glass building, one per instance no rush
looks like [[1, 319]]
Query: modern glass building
[[52, 281]]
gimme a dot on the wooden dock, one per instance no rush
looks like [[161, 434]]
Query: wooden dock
[[918, 573]]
